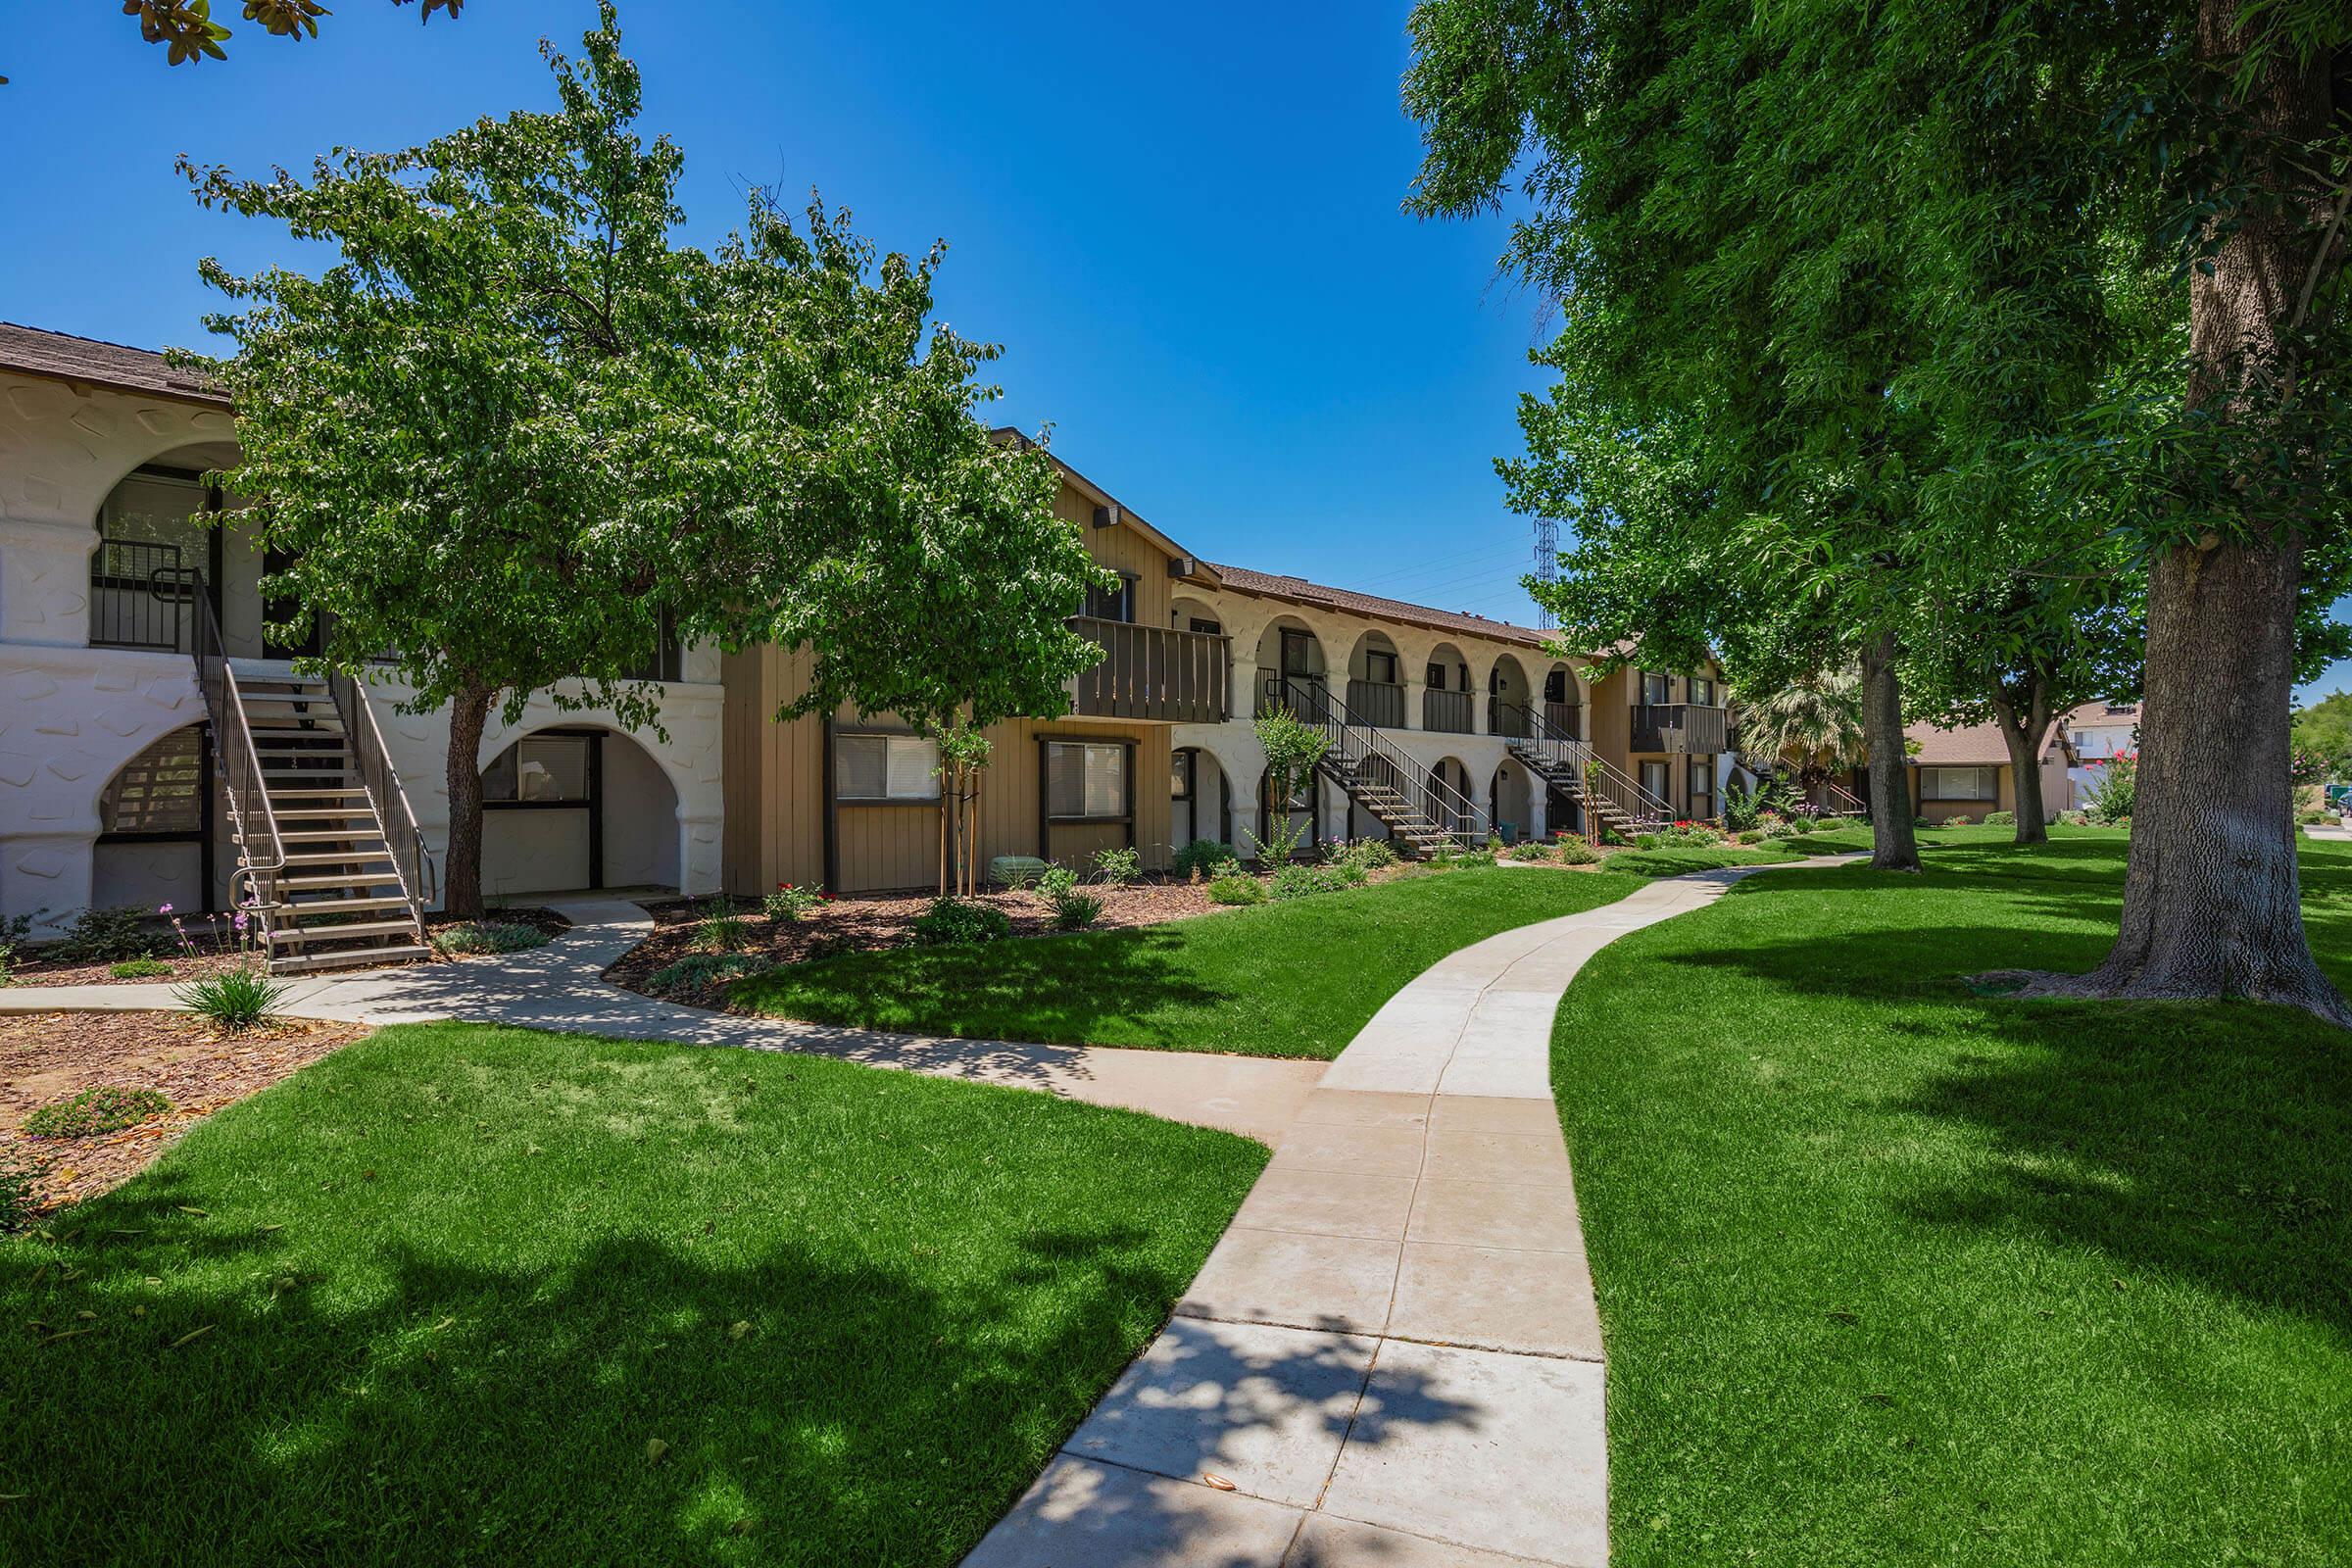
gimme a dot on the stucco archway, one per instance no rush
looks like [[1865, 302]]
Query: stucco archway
[[566, 808]]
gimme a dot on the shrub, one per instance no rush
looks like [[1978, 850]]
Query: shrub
[[721, 929], [237, 1001], [1646, 841], [1298, 880], [1118, 867], [2074, 819], [13, 932], [792, 902], [1751, 836], [1237, 888], [1365, 855], [2309, 818], [702, 972], [1073, 909], [1921, 821], [1574, 851], [489, 936], [1531, 851], [957, 923], [2000, 819], [139, 968], [1961, 820], [17, 1175], [110, 935], [104, 1109], [2112, 790], [1201, 859]]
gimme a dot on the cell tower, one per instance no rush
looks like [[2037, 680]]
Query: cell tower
[[1547, 566]]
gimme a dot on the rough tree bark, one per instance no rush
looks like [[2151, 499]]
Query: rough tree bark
[[2025, 730], [1893, 844], [2212, 903], [462, 874]]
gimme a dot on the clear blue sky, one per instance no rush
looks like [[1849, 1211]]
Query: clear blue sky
[[1183, 225]]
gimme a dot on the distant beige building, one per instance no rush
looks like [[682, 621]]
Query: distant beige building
[[1965, 772]]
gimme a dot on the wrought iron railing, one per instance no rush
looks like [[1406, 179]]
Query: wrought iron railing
[[1596, 776], [1377, 702], [1690, 728], [1565, 718], [1151, 673], [140, 592], [1838, 801], [1362, 750], [1447, 713], [371, 762], [1509, 718], [262, 852]]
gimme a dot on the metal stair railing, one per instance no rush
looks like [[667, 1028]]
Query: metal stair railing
[[260, 851], [1842, 801], [1356, 743], [1594, 773], [371, 761]]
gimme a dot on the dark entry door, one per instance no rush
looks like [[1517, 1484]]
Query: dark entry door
[[272, 561]]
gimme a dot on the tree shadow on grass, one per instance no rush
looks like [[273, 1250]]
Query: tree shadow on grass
[[2202, 1140], [1054, 989], [477, 1414]]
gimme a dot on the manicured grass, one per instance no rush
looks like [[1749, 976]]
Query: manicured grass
[[1894, 1272], [435, 1299], [1291, 979]]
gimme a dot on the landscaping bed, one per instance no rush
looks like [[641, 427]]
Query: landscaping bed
[[469, 1295], [1894, 1270], [215, 951], [46, 1059]]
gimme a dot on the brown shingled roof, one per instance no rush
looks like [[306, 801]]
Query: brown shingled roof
[[63, 357], [1299, 591], [1969, 745], [2099, 714]]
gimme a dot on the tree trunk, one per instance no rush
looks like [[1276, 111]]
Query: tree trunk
[[2026, 731], [461, 875], [1893, 844], [2212, 902]]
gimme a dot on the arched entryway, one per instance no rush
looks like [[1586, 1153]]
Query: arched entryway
[[1449, 802], [1290, 666], [1508, 694], [1200, 801], [1448, 703], [161, 839], [1376, 681], [1304, 814], [1563, 707], [1512, 803], [565, 809]]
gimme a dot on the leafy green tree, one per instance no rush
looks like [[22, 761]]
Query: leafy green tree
[[1293, 748], [2324, 731], [514, 432], [1814, 720], [188, 33]]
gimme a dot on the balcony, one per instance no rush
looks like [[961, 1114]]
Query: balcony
[[1377, 702], [1565, 718], [1449, 712], [1681, 727], [1507, 719], [1154, 674]]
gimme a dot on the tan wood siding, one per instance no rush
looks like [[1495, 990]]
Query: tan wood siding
[[1123, 548]]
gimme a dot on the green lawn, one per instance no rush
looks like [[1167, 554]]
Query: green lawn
[[1894, 1272], [1291, 979], [432, 1301]]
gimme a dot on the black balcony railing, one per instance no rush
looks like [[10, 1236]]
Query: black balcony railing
[[1565, 718], [1377, 703], [1690, 728], [1152, 672], [1507, 717], [141, 596], [1451, 712]]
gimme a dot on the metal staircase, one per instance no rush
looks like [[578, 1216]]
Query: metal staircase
[[1607, 794], [329, 860], [1421, 811]]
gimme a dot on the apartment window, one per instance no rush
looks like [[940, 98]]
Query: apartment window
[[1703, 691], [885, 768], [540, 770], [1209, 628], [1086, 781], [1655, 688], [161, 792], [1112, 603], [1180, 774], [1702, 787], [1653, 778], [1956, 784], [1380, 666], [1437, 678], [1555, 686]]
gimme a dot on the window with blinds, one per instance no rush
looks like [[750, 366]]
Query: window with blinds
[[1955, 784], [885, 768], [1085, 779]]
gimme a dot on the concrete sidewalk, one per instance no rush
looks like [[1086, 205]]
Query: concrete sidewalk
[[561, 986], [1393, 1356]]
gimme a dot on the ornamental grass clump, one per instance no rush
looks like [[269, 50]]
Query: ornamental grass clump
[[240, 999], [1074, 909]]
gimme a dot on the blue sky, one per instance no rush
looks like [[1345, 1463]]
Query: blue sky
[[1183, 225]]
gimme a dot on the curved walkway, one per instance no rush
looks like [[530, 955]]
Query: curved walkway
[[561, 986], [1393, 1356]]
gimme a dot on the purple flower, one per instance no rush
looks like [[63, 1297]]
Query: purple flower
[[240, 921], [162, 908]]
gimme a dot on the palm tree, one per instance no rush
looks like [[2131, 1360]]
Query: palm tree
[[1813, 725]]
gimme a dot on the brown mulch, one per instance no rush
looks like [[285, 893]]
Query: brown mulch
[[48, 1056], [215, 954], [868, 922]]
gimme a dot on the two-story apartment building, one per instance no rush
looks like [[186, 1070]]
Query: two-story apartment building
[[157, 747]]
